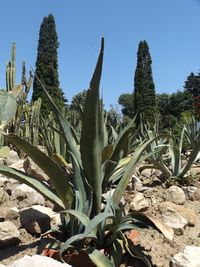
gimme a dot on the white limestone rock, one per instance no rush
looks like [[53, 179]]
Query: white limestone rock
[[190, 257], [9, 234], [176, 195], [27, 196], [12, 157], [139, 203], [38, 260]]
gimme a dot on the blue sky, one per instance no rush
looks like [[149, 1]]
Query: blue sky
[[170, 27]]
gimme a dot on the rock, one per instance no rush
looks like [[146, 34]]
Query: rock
[[158, 194], [38, 219], [147, 173], [9, 234], [189, 191], [176, 195], [12, 213], [173, 219], [12, 157], [136, 183], [190, 257], [27, 196], [3, 180], [194, 171], [196, 195], [10, 185], [38, 260], [186, 213], [139, 203], [31, 168], [147, 181], [3, 196], [156, 173], [18, 165]]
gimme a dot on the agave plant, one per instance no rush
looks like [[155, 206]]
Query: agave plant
[[169, 158], [96, 167]]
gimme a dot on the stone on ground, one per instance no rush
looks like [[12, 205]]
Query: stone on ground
[[27, 196], [12, 157], [139, 203], [3, 196], [38, 219], [176, 195], [9, 234], [186, 213], [190, 257], [37, 260], [32, 169]]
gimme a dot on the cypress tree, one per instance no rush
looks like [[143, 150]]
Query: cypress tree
[[47, 67], [144, 88]]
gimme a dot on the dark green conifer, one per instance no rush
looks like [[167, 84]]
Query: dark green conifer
[[144, 88], [47, 67]]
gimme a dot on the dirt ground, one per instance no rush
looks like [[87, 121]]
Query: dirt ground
[[155, 245]]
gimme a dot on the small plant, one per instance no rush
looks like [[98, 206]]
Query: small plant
[[169, 158]]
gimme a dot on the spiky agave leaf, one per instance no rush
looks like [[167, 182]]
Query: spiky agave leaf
[[91, 143], [50, 167]]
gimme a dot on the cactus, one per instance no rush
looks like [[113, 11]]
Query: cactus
[[35, 121], [11, 69], [26, 84], [8, 107]]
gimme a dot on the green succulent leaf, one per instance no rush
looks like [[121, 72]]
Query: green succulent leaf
[[90, 230], [90, 143], [32, 182], [65, 126], [55, 173], [79, 215], [129, 169], [84, 190], [116, 252], [98, 258]]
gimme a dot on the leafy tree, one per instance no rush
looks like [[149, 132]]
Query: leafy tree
[[47, 67], [126, 101], [144, 88], [78, 101], [192, 85], [171, 108]]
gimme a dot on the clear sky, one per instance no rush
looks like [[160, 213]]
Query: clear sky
[[170, 27]]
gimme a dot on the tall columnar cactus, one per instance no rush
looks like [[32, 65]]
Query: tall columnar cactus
[[26, 83], [35, 121], [11, 69]]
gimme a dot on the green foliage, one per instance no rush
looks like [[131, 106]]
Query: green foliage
[[96, 167], [144, 89], [8, 107], [126, 101], [169, 159], [78, 101], [47, 67], [192, 85], [172, 107]]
